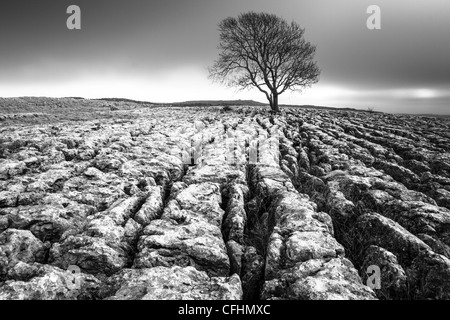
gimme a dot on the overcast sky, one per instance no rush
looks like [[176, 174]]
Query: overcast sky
[[159, 51]]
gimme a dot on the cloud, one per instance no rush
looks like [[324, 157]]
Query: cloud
[[159, 50]]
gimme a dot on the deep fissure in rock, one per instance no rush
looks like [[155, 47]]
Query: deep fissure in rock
[[256, 238]]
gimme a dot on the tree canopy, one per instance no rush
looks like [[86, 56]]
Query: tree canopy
[[264, 51]]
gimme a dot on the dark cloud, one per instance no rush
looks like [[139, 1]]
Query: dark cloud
[[139, 39]]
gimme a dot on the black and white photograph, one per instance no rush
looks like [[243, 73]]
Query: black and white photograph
[[239, 152]]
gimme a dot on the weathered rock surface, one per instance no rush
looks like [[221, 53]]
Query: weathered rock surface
[[149, 202], [302, 239], [19, 246], [175, 283]]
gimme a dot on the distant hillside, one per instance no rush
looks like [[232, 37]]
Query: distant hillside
[[202, 103], [433, 115], [253, 103], [33, 104], [123, 100], [309, 106], [194, 103]]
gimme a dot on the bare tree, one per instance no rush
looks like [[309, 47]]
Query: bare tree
[[264, 51]]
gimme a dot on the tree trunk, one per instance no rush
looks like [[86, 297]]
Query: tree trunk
[[274, 102], [275, 107]]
